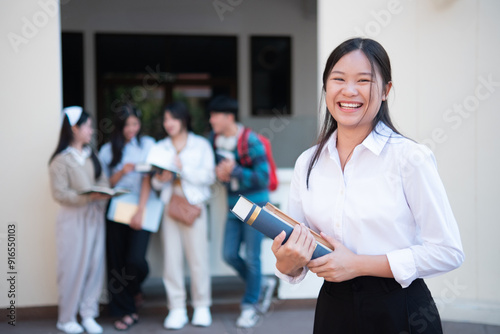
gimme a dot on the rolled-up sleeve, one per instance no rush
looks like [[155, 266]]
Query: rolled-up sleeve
[[439, 247], [403, 266]]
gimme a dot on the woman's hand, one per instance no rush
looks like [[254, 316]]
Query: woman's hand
[[136, 221], [98, 196], [116, 177], [223, 170], [164, 176], [296, 252], [127, 168], [338, 266]]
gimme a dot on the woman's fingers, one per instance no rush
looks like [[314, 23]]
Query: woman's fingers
[[278, 241]]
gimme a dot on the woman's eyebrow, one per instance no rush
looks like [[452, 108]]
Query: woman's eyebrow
[[360, 73]]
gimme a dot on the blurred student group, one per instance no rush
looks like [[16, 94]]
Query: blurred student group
[[113, 199]]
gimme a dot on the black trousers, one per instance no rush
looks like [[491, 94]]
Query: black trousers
[[373, 305], [126, 266]]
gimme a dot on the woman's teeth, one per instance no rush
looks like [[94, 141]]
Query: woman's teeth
[[350, 105]]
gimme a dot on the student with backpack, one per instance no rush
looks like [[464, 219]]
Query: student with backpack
[[243, 166]]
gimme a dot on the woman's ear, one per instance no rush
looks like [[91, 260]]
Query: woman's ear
[[387, 90]]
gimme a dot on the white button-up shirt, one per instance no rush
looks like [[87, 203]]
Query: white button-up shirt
[[389, 200], [198, 169]]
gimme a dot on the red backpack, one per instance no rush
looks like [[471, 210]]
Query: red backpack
[[246, 160]]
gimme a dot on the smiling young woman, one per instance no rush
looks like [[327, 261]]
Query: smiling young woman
[[387, 218]]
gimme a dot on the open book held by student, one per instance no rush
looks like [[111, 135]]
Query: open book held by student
[[270, 221], [105, 190], [158, 159]]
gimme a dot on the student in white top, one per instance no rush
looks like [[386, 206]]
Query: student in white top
[[74, 168], [195, 163], [377, 198], [126, 245]]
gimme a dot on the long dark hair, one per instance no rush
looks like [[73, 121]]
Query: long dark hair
[[66, 137], [117, 138], [379, 60], [179, 111]]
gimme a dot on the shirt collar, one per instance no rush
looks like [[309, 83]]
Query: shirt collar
[[133, 142], [170, 145], [80, 157], [332, 145], [375, 141]]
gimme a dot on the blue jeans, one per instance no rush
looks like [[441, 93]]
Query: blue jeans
[[249, 268]]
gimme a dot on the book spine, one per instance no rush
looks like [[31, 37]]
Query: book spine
[[320, 251], [271, 226]]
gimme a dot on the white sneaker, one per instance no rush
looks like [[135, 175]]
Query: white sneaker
[[176, 319], [71, 327], [267, 294], [248, 318], [91, 326], [202, 317]]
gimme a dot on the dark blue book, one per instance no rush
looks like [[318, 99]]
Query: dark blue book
[[270, 221]]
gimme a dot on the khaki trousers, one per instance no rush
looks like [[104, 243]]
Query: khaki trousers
[[180, 240]]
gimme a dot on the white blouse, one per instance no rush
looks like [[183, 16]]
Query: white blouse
[[389, 200], [198, 170]]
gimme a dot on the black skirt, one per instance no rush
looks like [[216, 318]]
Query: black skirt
[[373, 305]]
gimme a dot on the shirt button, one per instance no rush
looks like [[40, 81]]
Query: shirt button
[[342, 191]]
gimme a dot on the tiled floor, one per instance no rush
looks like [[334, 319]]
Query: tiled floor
[[291, 320], [292, 317]]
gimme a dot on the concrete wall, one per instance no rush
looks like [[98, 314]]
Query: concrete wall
[[446, 94], [31, 98]]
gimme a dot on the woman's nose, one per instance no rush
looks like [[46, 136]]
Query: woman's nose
[[350, 89]]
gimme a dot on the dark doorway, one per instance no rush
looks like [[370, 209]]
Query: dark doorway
[[72, 68], [150, 71]]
